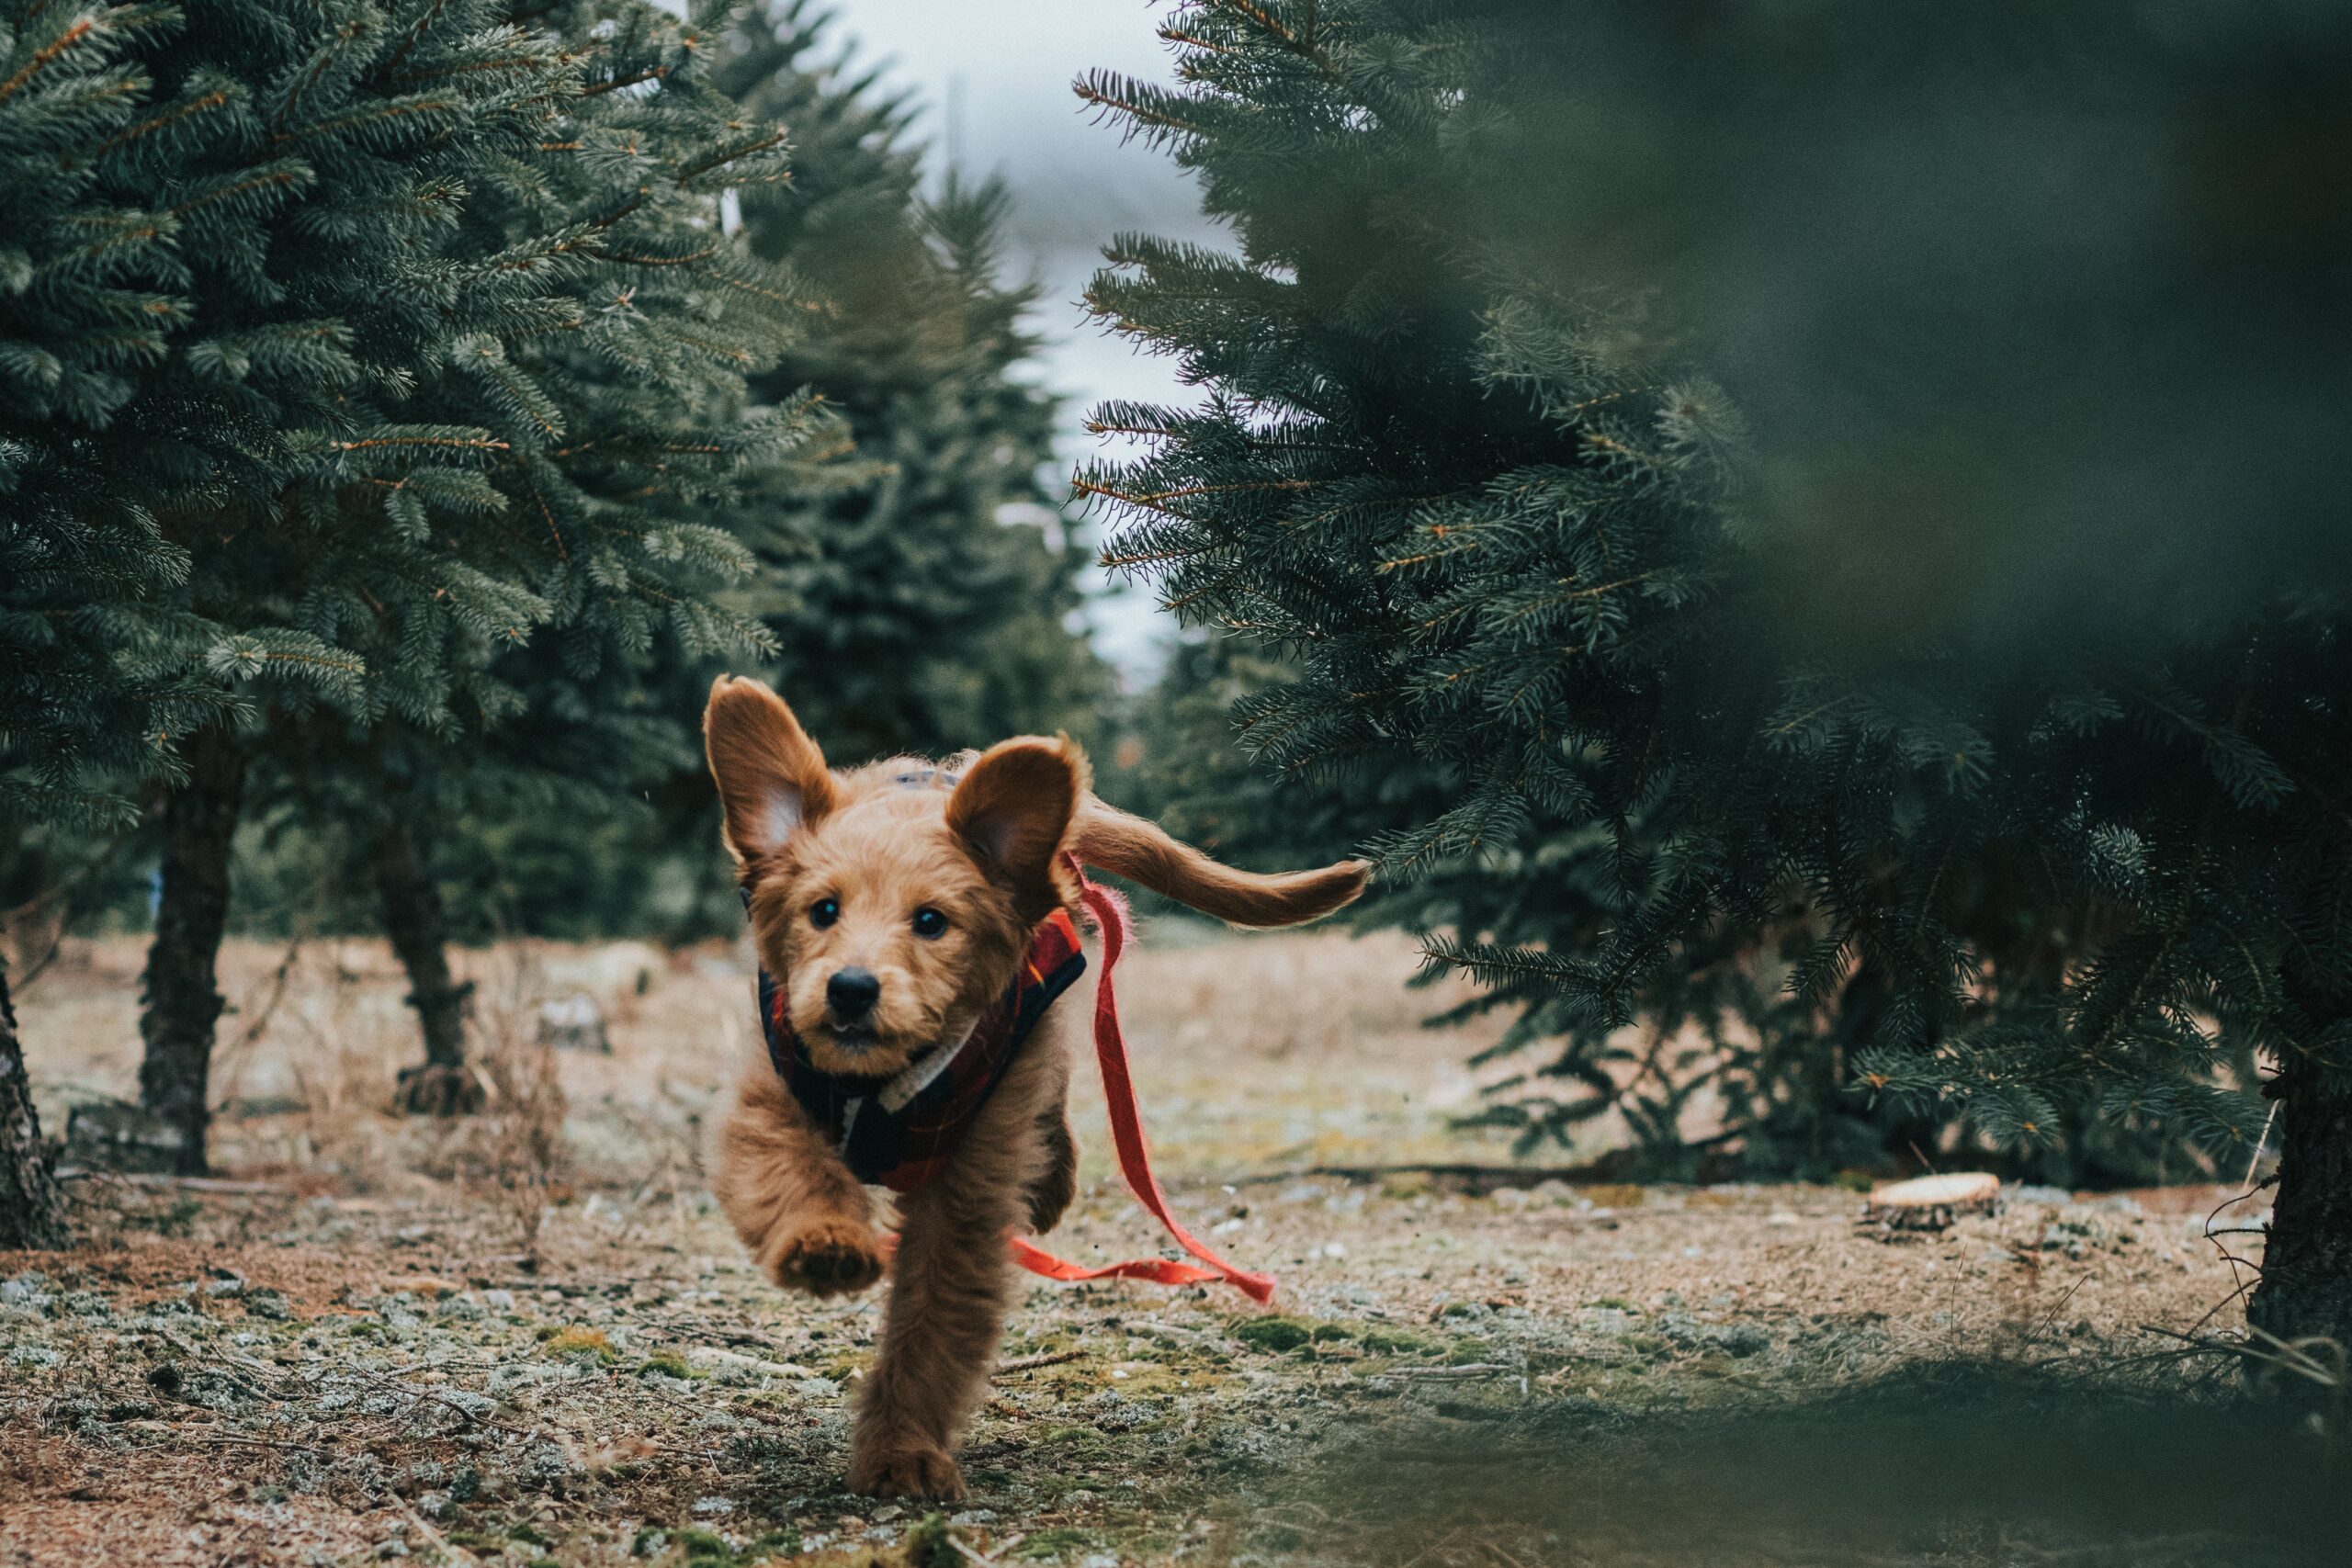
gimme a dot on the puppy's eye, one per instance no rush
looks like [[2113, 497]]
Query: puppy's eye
[[929, 922], [825, 912]]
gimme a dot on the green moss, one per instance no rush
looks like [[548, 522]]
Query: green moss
[[1060, 1541], [1273, 1333], [581, 1341], [776, 1543], [668, 1363], [931, 1544]]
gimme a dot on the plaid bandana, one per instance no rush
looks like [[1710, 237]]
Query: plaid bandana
[[899, 1132]]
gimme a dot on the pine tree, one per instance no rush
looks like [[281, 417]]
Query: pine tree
[[1883, 744], [938, 615], [441, 348], [95, 653], [910, 597], [913, 614]]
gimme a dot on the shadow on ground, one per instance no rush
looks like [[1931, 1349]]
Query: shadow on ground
[[1955, 1464]]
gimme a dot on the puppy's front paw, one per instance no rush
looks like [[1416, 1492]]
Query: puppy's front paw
[[914, 1469], [829, 1258]]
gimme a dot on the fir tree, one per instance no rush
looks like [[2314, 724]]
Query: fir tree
[[1958, 793], [928, 609], [95, 652], [900, 577], [454, 354]]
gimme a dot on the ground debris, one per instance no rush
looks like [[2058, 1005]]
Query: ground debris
[[341, 1357]]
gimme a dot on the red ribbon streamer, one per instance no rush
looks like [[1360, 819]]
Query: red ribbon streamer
[[1110, 912]]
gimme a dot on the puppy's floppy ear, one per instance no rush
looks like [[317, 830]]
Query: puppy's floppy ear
[[1013, 810], [772, 778]]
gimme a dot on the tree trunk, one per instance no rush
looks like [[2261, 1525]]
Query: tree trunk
[[419, 928], [32, 1212], [2306, 1287], [182, 999]]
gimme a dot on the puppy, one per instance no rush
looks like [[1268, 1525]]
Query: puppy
[[914, 924]]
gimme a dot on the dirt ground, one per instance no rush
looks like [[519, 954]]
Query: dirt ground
[[358, 1348]]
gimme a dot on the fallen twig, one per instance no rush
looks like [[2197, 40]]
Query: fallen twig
[[1450, 1374], [1031, 1363], [178, 1183], [430, 1534]]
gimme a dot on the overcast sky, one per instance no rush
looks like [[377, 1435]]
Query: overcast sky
[[992, 78]]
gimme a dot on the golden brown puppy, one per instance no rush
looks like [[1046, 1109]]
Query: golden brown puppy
[[913, 921]]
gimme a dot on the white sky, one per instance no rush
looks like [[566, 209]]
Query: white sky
[[992, 81]]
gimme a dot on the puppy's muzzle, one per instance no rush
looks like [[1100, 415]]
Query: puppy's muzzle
[[849, 996]]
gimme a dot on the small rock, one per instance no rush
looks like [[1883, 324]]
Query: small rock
[[1113, 1412], [110, 1135], [574, 1023]]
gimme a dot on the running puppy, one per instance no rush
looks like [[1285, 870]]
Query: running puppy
[[914, 927]]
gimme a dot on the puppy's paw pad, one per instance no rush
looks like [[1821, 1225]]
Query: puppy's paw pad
[[923, 1472], [829, 1258]]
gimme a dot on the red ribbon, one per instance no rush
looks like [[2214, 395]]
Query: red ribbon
[[1110, 912]]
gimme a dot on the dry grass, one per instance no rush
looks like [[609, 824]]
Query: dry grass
[[1252, 1052]]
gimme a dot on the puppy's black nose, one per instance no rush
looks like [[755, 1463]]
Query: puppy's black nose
[[851, 993]]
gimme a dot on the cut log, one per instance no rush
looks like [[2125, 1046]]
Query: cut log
[[1932, 1202]]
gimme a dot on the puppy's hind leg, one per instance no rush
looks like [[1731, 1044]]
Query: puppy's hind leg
[[807, 1220]]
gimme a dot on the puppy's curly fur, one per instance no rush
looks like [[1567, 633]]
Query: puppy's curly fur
[[934, 885]]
